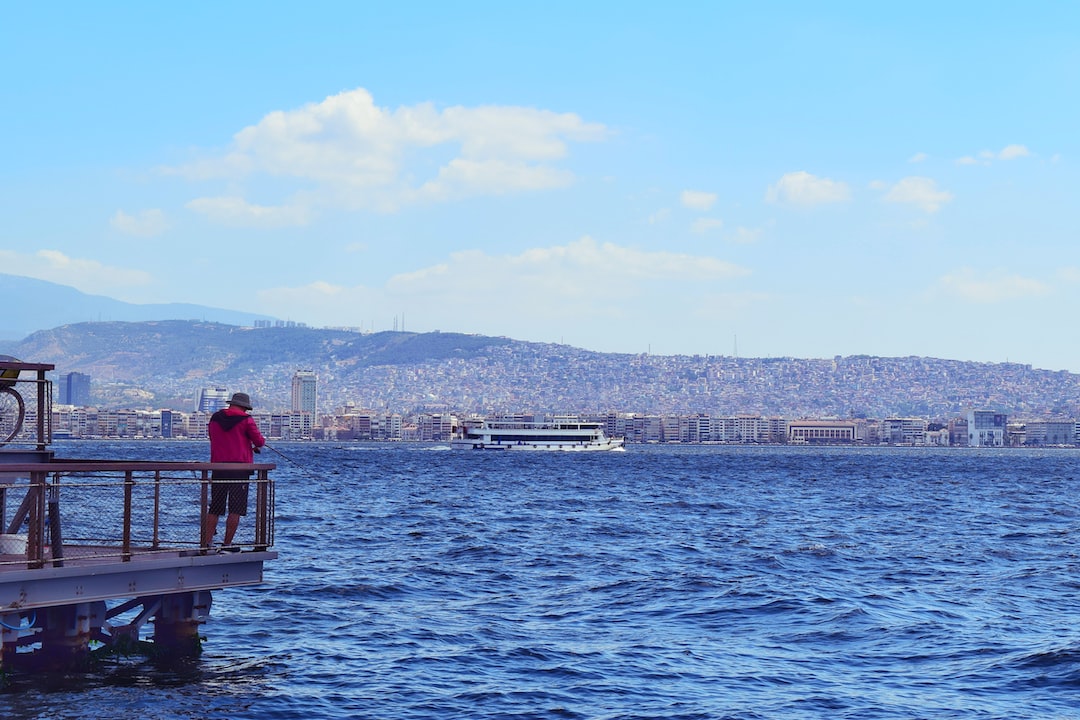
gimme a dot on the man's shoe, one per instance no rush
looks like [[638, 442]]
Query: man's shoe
[[230, 548]]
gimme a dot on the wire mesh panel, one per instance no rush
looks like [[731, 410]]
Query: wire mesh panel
[[122, 514]]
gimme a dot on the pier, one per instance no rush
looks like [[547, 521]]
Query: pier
[[107, 555]]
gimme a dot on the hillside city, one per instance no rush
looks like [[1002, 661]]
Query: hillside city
[[394, 386], [73, 418]]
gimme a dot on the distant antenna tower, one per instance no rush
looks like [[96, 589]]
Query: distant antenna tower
[[736, 347]]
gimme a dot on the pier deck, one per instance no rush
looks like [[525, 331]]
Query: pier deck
[[89, 543], [91, 551]]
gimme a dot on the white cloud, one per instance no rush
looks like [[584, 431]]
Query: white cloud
[[918, 157], [920, 191], [802, 188], [89, 276], [462, 177], [747, 236], [989, 288], [704, 225], [986, 157], [698, 200], [351, 153], [1011, 152], [659, 216], [583, 280], [237, 212], [148, 223]]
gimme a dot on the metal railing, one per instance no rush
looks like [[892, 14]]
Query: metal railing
[[85, 511], [25, 391]]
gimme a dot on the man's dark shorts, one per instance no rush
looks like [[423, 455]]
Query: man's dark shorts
[[231, 495]]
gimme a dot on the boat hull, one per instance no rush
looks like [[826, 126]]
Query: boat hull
[[525, 446]]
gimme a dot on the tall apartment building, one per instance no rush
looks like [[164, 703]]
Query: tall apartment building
[[304, 392], [305, 401], [75, 389]]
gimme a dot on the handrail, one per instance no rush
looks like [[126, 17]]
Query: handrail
[[121, 509], [10, 370]]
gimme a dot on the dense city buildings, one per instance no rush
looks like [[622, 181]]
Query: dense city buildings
[[981, 428], [346, 385]]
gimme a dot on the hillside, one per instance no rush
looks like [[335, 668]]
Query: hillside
[[166, 363]]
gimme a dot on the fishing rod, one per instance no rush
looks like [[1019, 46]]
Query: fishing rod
[[267, 445]]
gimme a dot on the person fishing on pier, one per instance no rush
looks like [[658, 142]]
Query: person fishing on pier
[[234, 438]]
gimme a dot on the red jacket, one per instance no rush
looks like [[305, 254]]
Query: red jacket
[[233, 434]]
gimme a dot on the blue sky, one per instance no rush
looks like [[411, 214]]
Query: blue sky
[[787, 179]]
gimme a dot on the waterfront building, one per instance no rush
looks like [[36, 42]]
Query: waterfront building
[[903, 431], [823, 432], [753, 429], [436, 427], [167, 423], [958, 432], [1050, 432], [360, 425], [938, 437], [986, 428], [291, 426]]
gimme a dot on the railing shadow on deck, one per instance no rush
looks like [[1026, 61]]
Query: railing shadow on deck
[[94, 511]]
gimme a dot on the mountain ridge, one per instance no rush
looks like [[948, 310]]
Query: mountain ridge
[[165, 363], [43, 304]]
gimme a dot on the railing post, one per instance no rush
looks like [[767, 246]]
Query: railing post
[[56, 535], [35, 546], [156, 542], [44, 411], [262, 512], [204, 506], [129, 485]]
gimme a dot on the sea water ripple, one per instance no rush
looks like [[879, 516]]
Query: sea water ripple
[[662, 582]]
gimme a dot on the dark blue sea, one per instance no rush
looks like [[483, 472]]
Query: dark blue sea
[[663, 582]]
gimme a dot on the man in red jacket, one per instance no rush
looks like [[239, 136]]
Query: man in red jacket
[[234, 438]]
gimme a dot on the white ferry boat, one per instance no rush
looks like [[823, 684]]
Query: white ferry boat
[[558, 434]]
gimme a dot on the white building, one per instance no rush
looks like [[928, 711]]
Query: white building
[[986, 428]]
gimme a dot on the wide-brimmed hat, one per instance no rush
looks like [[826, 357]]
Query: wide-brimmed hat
[[242, 400]]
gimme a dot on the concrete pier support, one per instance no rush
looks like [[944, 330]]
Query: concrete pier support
[[58, 638], [12, 626], [177, 621], [64, 633]]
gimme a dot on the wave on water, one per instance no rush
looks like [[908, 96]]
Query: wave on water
[[667, 583]]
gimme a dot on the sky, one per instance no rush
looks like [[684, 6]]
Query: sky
[[763, 179]]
